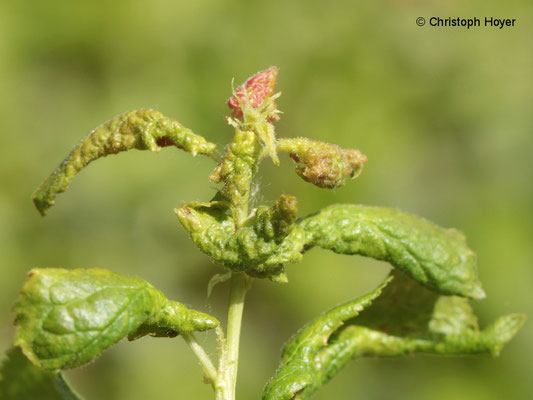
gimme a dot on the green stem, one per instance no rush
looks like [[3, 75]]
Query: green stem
[[239, 287], [66, 389], [241, 213], [209, 369]]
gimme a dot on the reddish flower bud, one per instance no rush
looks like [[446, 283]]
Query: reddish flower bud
[[258, 87]]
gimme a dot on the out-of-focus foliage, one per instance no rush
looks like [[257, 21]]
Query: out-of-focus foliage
[[21, 380], [444, 116]]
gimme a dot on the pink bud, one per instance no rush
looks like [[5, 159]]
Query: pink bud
[[258, 87]]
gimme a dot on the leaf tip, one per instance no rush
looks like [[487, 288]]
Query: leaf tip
[[211, 323], [202, 321], [42, 203], [279, 278], [502, 331], [477, 292]]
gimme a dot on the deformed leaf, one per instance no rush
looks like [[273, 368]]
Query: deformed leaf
[[299, 366], [144, 129], [247, 248], [437, 258], [433, 256], [323, 164], [21, 380], [407, 318], [66, 318], [426, 322], [237, 167], [277, 221]]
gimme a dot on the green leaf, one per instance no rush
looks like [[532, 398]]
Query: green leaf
[[426, 323], [247, 248], [21, 380], [141, 129], [433, 256], [66, 318], [437, 258], [407, 318], [300, 366], [236, 169]]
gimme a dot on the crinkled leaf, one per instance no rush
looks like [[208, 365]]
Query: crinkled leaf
[[141, 129], [406, 319], [437, 258], [21, 380], [246, 248], [323, 164], [299, 366], [237, 167], [66, 318], [426, 322]]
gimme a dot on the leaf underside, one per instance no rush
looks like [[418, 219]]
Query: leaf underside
[[66, 318], [21, 380], [407, 318]]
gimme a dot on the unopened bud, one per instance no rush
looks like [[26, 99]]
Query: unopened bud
[[254, 92]]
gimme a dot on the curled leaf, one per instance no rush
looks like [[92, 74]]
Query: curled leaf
[[141, 129], [277, 221], [236, 169], [405, 319], [323, 164], [248, 247], [299, 367], [437, 258], [66, 318], [21, 380]]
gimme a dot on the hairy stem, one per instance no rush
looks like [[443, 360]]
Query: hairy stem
[[239, 287], [241, 213], [209, 369]]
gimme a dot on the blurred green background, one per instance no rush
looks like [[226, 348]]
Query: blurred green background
[[444, 115]]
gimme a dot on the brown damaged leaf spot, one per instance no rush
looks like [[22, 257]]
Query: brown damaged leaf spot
[[323, 164], [165, 141]]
